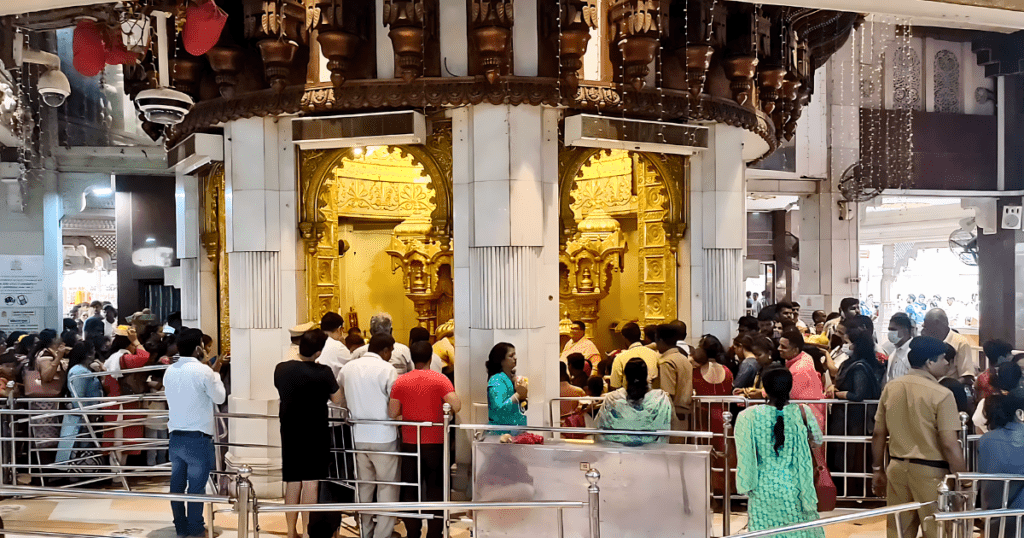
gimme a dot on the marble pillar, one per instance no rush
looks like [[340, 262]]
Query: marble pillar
[[187, 214], [266, 271], [717, 235], [505, 209], [828, 242]]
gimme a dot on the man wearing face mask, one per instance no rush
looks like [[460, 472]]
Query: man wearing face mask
[[901, 331]]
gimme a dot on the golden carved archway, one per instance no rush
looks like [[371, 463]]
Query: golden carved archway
[[653, 189], [319, 225], [213, 234]]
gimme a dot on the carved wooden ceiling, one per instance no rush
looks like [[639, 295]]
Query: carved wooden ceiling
[[743, 64]]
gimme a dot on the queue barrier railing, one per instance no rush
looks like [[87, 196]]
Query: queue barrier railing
[[894, 510], [959, 504]]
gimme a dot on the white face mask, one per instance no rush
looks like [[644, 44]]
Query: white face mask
[[894, 337]]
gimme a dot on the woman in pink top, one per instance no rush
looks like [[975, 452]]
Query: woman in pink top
[[806, 379]]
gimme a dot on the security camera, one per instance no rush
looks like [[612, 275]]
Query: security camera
[[53, 85], [164, 105]]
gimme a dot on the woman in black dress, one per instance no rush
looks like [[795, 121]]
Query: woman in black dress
[[305, 387]]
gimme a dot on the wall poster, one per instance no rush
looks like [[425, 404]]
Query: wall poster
[[22, 293]]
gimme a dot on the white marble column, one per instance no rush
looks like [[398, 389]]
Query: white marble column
[[717, 234], [506, 259], [266, 271], [189, 250], [828, 242]]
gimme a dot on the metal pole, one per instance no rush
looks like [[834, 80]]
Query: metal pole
[[964, 418], [446, 465], [594, 499], [243, 502], [561, 525], [943, 506], [726, 493], [11, 455]]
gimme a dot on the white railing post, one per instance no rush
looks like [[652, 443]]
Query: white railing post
[[243, 500], [446, 464], [726, 491], [594, 499]]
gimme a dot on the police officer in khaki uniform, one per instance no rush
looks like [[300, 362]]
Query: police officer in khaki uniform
[[918, 417]]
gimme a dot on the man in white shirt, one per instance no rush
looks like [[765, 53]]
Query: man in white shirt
[[366, 383], [192, 389], [631, 332], [109, 320], [897, 348], [334, 354], [401, 359], [965, 366]]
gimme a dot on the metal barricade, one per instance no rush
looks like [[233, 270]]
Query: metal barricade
[[846, 518], [850, 450], [971, 490], [74, 443]]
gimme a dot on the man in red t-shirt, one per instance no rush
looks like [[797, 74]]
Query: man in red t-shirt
[[418, 396]]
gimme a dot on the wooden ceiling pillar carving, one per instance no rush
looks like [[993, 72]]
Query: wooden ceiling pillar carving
[[490, 32], [344, 28], [569, 41], [414, 27], [637, 26], [729, 62]]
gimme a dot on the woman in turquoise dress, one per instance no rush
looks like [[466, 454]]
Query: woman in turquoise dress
[[775, 469], [635, 407], [505, 392]]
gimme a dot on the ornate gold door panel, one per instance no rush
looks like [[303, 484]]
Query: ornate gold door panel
[[408, 185], [213, 234], [601, 189]]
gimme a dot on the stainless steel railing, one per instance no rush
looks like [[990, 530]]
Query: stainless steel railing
[[845, 518]]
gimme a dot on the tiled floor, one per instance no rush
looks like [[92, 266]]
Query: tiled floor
[[137, 518]]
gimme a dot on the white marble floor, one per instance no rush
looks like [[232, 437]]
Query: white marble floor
[[132, 518]]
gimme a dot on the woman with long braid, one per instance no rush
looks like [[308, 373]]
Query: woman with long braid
[[775, 469]]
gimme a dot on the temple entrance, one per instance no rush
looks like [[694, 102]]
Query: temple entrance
[[622, 219], [375, 207]]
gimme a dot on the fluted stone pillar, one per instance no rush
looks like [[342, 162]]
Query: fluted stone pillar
[[717, 234], [506, 250], [265, 275]]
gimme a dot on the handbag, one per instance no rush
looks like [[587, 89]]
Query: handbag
[[574, 420], [824, 487]]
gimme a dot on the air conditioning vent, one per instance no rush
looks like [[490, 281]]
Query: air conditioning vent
[[406, 127], [635, 135], [195, 151]]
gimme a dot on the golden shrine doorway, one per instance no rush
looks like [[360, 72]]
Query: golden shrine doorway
[[622, 216], [370, 208]]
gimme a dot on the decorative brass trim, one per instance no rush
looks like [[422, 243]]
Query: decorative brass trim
[[661, 185], [213, 233]]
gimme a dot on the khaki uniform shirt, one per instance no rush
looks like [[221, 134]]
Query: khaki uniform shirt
[[675, 376], [914, 409], [637, 350]]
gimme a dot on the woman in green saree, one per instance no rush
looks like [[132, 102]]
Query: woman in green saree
[[635, 407]]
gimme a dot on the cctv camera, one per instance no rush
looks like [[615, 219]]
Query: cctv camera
[[164, 105], [54, 87]]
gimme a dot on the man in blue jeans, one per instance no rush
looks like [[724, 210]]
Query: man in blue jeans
[[193, 389]]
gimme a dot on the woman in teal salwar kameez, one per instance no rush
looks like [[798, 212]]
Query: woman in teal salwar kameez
[[505, 391], [775, 469]]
